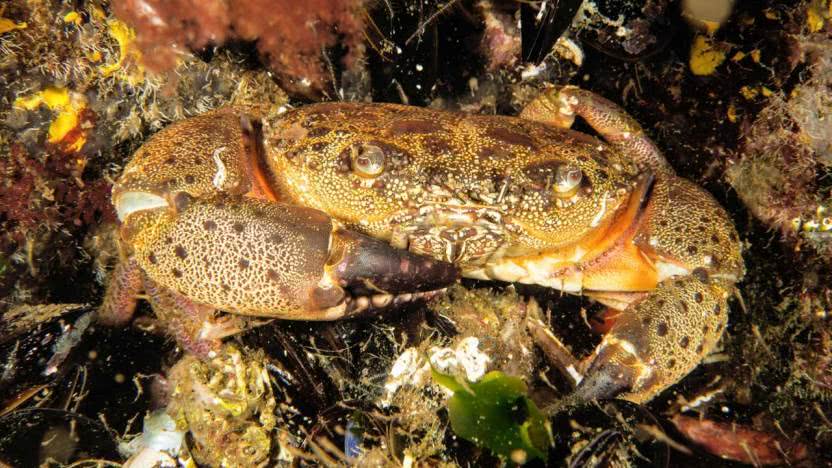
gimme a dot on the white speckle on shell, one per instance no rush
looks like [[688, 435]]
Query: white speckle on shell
[[219, 177]]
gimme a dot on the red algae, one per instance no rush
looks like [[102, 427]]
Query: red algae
[[290, 36], [48, 194]]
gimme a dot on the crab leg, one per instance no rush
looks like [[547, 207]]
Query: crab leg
[[558, 106], [196, 327], [120, 298]]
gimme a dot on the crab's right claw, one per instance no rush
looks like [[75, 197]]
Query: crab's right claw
[[266, 259]]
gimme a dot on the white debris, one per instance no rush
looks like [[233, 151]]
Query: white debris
[[470, 358], [443, 359], [570, 50], [158, 444], [701, 399], [413, 369], [410, 368], [532, 70]]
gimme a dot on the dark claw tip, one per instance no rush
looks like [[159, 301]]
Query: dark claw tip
[[611, 374], [370, 266]]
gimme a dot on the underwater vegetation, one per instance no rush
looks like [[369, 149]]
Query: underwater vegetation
[[786, 154], [739, 101], [292, 44], [495, 412]]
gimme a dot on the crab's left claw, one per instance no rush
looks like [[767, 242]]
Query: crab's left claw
[[658, 340], [653, 343]]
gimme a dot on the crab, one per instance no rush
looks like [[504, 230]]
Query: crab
[[518, 199]]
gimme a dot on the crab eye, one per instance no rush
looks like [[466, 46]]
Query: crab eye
[[368, 161], [567, 180]]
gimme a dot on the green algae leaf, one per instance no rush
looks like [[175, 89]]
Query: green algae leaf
[[496, 413]]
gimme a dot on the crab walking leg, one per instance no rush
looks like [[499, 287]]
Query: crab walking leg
[[558, 106], [555, 351], [122, 293], [264, 259], [196, 327], [658, 340]]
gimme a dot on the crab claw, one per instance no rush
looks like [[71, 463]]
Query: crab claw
[[265, 259], [658, 340]]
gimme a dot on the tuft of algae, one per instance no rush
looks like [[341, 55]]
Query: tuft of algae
[[497, 319], [497, 413]]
